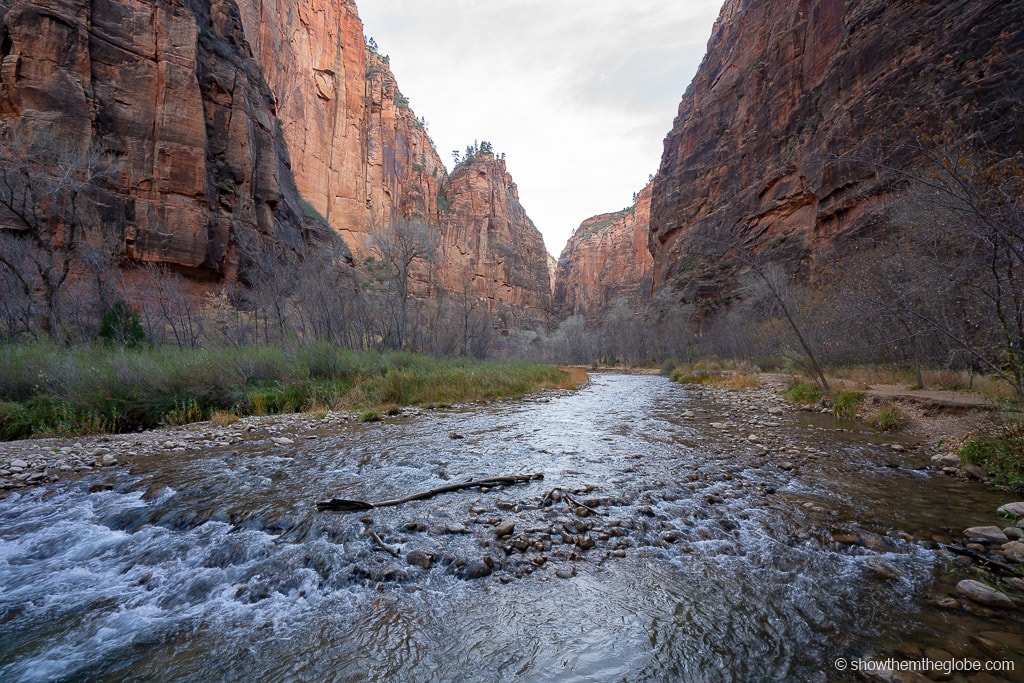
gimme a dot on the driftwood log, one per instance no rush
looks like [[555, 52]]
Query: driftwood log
[[343, 505]]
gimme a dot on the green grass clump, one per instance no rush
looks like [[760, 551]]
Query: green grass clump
[[372, 415], [1001, 454], [45, 390], [888, 419], [803, 392], [846, 403]]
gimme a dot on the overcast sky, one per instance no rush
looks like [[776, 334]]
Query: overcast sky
[[578, 94]]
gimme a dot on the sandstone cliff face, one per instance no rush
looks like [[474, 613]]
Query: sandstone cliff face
[[605, 260], [168, 89], [789, 91], [489, 246], [312, 55], [404, 172], [236, 121]]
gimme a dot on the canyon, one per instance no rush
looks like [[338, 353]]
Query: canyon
[[228, 123], [234, 123]]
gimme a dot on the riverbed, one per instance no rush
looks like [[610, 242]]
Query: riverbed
[[676, 534]]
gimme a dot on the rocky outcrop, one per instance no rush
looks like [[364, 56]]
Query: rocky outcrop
[[489, 246], [607, 259], [168, 89], [770, 139]]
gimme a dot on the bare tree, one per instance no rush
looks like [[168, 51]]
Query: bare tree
[[398, 248], [50, 209]]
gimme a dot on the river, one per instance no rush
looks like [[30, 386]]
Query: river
[[708, 554]]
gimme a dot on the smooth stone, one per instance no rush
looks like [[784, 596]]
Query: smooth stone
[[986, 595], [1013, 551], [505, 528], [1010, 509], [946, 460], [883, 569], [754, 438], [565, 573], [1013, 533], [19, 463], [108, 460], [998, 642], [991, 534]]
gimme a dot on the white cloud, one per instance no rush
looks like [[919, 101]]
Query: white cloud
[[579, 94]]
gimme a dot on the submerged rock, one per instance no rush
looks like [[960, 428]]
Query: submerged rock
[[477, 569], [986, 595]]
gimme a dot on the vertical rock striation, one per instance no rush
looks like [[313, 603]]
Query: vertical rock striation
[[607, 259], [489, 246], [771, 137], [165, 88]]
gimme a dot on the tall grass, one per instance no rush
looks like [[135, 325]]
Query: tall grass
[[45, 390]]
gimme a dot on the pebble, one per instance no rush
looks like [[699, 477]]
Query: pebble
[[883, 569], [565, 573], [754, 438], [1013, 533], [108, 460], [19, 463], [980, 593], [946, 460], [454, 435]]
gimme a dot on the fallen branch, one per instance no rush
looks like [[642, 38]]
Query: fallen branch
[[342, 505], [384, 546]]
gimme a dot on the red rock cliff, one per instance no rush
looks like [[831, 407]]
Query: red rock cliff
[[607, 258], [489, 246], [786, 89], [167, 88], [236, 118]]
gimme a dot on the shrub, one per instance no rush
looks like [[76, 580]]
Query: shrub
[[889, 418], [122, 326], [1001, 454], [223, 418], [370, 416], [803, 392], [184, 412], [845, 404]]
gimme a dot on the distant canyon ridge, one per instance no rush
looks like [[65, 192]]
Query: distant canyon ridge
[[241, 120]]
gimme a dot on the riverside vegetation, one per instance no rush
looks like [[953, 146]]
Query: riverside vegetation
[[46, 391], [995, 442]]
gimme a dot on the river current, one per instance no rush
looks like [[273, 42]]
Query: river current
[[706, 555]]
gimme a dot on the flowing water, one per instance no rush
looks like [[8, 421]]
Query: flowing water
[[709, 559]]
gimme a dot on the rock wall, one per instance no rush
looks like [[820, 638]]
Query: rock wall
[[168, 89], [404, 172], [254, 118], [606, 259], [791, 94], [489, 246], [312, 55]]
